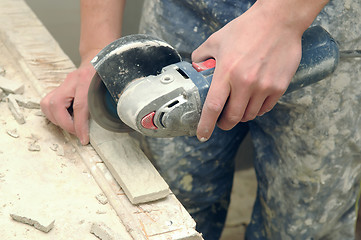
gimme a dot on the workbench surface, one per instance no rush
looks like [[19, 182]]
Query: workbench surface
[[45, 174]]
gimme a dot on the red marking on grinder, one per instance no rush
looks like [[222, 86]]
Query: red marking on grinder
[[208, 64], [148, 121]]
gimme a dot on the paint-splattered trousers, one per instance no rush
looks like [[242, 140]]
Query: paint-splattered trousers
[[307, 149]]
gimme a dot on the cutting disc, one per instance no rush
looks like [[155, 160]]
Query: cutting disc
[[124, 60]]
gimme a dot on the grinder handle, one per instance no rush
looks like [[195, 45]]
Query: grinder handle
[[320, 57]]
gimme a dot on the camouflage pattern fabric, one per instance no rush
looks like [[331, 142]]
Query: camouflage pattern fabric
[[308, 149]]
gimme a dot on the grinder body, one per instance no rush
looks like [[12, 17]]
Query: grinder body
[[169, 103]]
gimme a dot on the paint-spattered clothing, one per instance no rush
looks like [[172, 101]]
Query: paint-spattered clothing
[[308, 148]]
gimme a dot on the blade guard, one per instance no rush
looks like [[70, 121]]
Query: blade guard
[[122, 61]]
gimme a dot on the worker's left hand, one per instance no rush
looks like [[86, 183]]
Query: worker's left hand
[[256, 58], [67, 105]]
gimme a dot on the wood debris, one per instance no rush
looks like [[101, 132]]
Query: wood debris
[[15, 109], [58, 149], [33, 147], [54, 147], [102, 198], [30, 103], [11, 86], [13, 133], [103, 232], [36, 224]]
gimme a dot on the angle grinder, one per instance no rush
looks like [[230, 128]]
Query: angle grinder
[[142, 84]]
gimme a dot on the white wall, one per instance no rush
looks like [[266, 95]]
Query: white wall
[[62, 19]]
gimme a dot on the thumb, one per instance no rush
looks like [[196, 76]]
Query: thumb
[[202, 53]]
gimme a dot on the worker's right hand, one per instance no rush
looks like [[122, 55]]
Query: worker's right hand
[[73, 93], [256, 55]]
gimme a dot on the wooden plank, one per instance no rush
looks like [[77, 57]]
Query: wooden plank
[[129, 166], [45, 65]]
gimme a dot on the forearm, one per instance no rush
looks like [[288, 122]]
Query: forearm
[[101, 23], [296, 14]]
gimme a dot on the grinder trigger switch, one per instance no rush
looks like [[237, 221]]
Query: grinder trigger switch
[[202, 66], [148, 121]]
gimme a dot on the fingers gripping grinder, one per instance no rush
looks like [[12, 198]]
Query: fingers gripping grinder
[[142, 84]]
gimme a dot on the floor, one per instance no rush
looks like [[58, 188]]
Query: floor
[[243, 194]]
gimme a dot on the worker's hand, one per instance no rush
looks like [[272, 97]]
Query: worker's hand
[[256, 58], [73, 93], [101, 23]]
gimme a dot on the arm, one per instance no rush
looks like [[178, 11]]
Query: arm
[[256, 55], [101, 22]]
